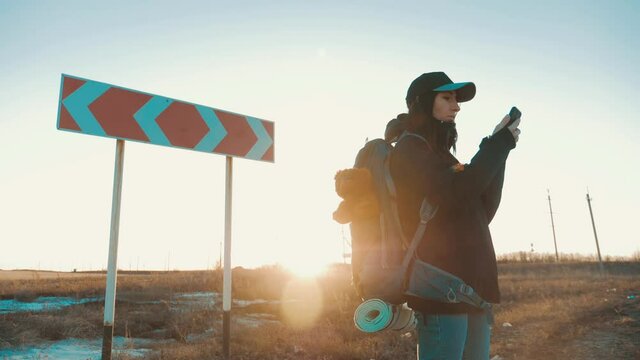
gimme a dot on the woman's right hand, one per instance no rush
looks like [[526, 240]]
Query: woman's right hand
[[513, 128]]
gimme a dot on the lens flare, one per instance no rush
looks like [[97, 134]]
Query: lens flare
[[302, 303]]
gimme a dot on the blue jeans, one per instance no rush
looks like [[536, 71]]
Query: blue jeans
[[453, 337]]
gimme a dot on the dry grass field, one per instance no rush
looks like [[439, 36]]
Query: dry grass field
[[549, 311]]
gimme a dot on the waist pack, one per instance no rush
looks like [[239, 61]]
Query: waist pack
[[384, 264]]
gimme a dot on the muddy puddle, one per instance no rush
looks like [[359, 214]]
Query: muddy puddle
[[79, 349], [43, 303]]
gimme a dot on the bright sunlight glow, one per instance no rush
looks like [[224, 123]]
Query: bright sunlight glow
[[302, 303], [305, 268]]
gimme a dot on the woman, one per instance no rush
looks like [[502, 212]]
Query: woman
[[457, 239]]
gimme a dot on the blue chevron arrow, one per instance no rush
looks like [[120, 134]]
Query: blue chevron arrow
[[216, 133], [78, 106], [146, 118], [264, 140]]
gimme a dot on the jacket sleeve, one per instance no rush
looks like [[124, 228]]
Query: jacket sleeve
[[492, 195], [445, 187]]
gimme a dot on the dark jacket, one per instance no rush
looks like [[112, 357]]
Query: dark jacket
[[457, 239]]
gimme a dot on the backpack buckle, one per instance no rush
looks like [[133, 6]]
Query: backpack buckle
[[451, 296], [466, 289]]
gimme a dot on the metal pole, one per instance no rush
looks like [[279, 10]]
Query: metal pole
[[595, 234], [226, 293], [553, 227], [110, 296]]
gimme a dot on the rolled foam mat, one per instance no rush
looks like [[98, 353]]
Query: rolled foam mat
[[373, 315]]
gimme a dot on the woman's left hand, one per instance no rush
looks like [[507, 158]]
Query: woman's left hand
[[513, 128], [501, 124]]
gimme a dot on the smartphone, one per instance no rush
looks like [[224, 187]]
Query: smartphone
[[514, 114]]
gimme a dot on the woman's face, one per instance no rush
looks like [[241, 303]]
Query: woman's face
[[445, 106]]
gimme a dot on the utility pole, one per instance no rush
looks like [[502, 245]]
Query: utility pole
[[553, 227], [595, 234]]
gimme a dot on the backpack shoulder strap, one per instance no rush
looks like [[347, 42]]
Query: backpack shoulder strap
[[427, 211], [408, 133]]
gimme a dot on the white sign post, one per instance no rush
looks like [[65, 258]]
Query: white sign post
[[110, 296], [226, 290]]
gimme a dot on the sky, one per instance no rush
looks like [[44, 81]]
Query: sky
[[329, 76]]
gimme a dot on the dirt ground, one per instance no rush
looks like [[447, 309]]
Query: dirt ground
[[553, 311], [615, 333]]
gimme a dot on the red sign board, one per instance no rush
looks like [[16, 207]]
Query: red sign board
[[96, 108]]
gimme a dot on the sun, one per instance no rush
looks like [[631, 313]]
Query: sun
[[306, 269]]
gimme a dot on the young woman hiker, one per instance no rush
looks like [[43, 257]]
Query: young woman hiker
[[457, 239]]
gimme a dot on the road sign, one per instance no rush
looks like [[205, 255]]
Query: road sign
[[96, 108]]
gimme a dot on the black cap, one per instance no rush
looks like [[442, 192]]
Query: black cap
[[437, 82]]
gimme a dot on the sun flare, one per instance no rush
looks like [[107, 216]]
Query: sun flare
[[302, 303], [306, 269]]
